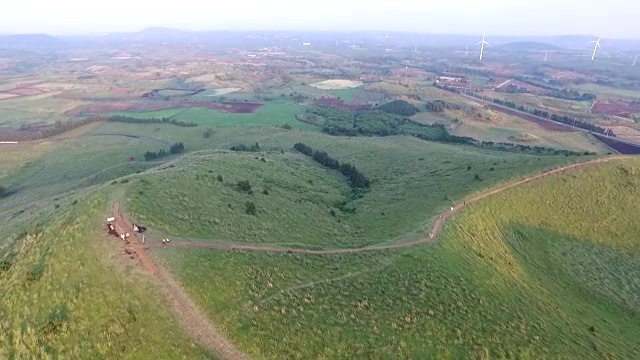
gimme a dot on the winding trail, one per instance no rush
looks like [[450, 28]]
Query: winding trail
[[197, 324], [192, 319], [435, 230]]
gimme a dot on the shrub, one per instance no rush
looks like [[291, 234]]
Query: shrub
[[250, 208], [332, 212], [265, 191], [286, 126], [3, 192], [207, 134], [74, 202], [244, 186], [477, 177], [242, 147], [219, 178]]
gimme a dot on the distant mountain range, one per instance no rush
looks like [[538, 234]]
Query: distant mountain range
[[285, 38]]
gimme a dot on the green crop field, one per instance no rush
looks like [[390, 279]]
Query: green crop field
[[61, 297], [272, 113], [546, 270], [345, 94], [606, 91]]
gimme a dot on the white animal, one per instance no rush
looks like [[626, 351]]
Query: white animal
[[110, 219]]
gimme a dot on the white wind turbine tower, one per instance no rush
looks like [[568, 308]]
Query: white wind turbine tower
[[482, 44], [595, 47], [546, 56], [635, 61]]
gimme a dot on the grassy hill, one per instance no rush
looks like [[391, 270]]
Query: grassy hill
[[412, 182], [546, 270], [65, 293]]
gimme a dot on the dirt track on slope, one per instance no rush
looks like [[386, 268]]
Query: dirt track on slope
[[193, 320], [435, 231]]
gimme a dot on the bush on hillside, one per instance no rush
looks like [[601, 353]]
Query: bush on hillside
[[242, 147], [244, 186], [250, 208], [399, 107]]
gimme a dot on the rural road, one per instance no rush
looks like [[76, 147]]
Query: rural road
[[197, 324]]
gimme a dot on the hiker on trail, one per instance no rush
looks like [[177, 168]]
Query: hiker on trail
[[430, 236], [163, 242], [122, 237], [143, 239], [135, 228], [126, 235], [452, 208], [168, 242], [465, 203]]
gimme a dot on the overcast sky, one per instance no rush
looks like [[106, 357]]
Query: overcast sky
[[611, 18]]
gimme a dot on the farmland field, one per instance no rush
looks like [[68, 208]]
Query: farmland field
[[485, 290]]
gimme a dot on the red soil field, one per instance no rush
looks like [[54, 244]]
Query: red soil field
[[615, 108], [97, 108], [337, 104], [229, 106]]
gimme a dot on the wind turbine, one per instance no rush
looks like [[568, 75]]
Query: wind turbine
[[546, 56], [467, 51], [595, 47], [635, 61], [482, 44]]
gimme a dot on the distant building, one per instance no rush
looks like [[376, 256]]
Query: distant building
[[306, 43]]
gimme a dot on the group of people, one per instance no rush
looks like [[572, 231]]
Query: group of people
[[136, 228]]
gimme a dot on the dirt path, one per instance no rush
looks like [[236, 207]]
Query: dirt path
[[193, 320], [435, 231]]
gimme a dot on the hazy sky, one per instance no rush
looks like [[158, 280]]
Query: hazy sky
[[612, 18]]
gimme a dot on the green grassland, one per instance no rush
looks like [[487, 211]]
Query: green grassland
[[546, 270], [61, 297], [606, 91], [412, 181], [272, 113], [345, 94]]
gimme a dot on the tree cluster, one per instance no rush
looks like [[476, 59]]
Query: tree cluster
[[436, 106], [174, 149], [164, 120], [242, 147], [399, 107], [356, 178], [541, 150]]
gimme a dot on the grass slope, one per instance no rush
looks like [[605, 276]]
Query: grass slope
[[412, 181], [61, 297], [546, 270]]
